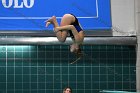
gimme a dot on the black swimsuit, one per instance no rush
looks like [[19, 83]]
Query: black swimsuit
[[76, 25]]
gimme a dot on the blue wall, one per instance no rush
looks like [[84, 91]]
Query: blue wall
[[22, 15]]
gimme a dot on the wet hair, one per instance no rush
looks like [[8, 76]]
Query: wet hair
[[78, 52], [67, 88]]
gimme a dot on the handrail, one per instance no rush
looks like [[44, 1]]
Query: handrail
[[18, 40]]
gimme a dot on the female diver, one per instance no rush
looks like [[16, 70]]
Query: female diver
[[69, 24]]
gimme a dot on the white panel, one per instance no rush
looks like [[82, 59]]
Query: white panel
[[123, 17], [138, 17]]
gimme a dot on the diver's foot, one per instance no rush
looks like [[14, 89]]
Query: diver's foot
[[50, 21]]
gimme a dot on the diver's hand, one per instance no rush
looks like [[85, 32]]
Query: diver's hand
[[56, 29]]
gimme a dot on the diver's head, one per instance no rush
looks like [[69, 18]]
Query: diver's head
[[74, 48]]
